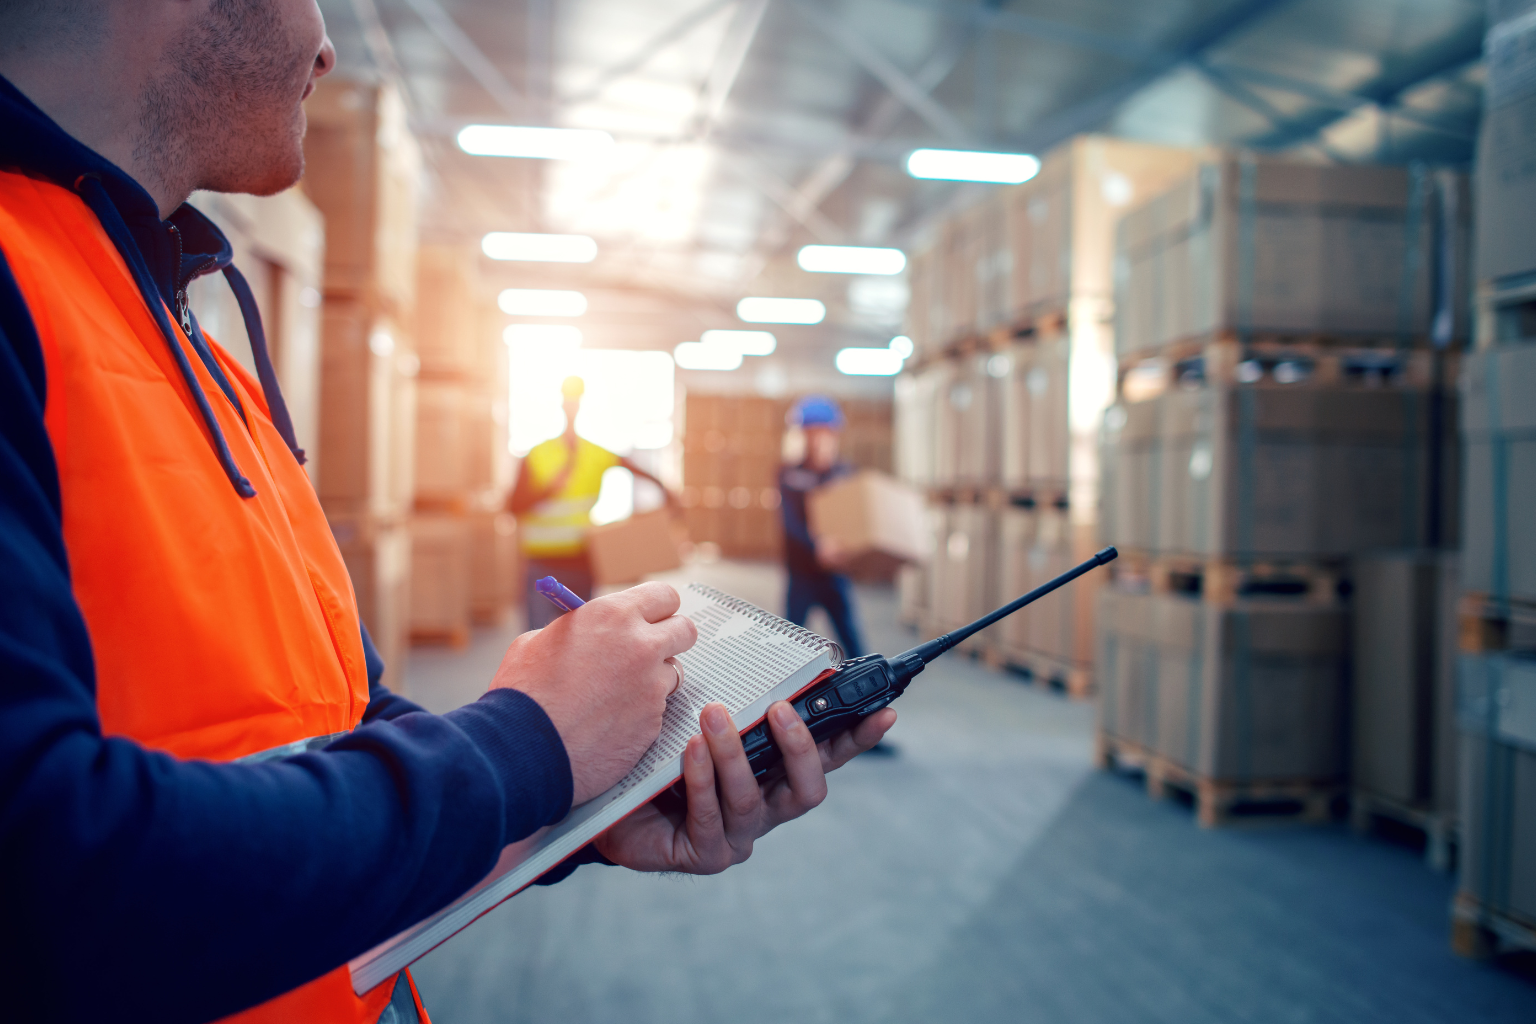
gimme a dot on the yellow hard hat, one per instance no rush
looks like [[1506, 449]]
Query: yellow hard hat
[[572, 388]]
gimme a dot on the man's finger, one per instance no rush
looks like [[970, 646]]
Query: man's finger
[[802, 761], [704, 824], [844, 747], [741, 798], [655, 601], [676, 635]]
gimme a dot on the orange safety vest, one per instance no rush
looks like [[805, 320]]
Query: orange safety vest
[[231, 639]]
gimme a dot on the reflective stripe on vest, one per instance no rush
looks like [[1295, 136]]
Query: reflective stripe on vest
[[557, 527], [222, 626]]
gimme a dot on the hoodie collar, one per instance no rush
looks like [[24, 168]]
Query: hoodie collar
[[176, 250]]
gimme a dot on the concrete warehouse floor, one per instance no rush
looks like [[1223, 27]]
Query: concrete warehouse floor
[[985, 873]]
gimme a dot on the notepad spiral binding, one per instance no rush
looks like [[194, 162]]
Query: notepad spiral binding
[[765, 618]]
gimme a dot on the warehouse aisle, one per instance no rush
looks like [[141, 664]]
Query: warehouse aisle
[[986, 873]]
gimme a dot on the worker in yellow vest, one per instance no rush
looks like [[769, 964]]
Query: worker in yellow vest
[[556, 489]]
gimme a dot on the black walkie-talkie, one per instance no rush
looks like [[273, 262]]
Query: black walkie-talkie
[[864, 685]]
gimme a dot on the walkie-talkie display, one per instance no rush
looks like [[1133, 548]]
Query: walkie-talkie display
[[864, 685]]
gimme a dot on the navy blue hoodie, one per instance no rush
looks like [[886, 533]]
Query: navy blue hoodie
[[134, 886]]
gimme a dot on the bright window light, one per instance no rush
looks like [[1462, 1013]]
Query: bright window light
[[901, 345], [534, 143], [961, 165], [552, 336], [541, 302], [851, 259], [628, 405], [781, 311], [511, 245], [748, 343], [869, 362], [695, 355]]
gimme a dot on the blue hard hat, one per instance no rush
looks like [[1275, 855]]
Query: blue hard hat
[[816, 411]]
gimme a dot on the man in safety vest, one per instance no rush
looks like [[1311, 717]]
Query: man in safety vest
[[557, 487], [208, 804]]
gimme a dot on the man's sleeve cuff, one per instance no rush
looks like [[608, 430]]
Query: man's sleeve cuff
[[514, 734]]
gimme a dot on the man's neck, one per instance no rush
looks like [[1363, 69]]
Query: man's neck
[[66, 84]]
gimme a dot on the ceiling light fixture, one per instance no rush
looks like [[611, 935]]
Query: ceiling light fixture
[[902, 346], [511, 245], [758, 310], [541, 302], [534, 143], [851, 259], [869, 362], [549, 336], [748, 343], [963, 165], [696, 355]]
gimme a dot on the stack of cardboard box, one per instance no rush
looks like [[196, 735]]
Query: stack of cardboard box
[[1281, 412], [363, 169], [1496, 903], [1010, 318]]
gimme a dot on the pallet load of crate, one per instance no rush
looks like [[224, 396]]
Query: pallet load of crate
[[1010, 320], [363, 172], [1280, 412], [463, 542], [733, 447], [1495, 907]]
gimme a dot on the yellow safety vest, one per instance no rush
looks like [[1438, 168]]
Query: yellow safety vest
[[557, 526]]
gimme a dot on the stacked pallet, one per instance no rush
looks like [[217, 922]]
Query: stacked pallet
[[733, 446], [1280, 413], [1010, 316], [463, 552], [1496, 901], [363, 172]]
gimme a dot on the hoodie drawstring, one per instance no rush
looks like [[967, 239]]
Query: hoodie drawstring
[[95, 196], [265, 372]]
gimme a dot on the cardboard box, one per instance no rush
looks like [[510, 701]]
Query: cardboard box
[[495, 566], [916, 425], [440, 579], [1250, 692], [1404, 717], [378, 557], [1266, 245], [875, 518], [449, 329], [1034, 546], [363, 170], [443, 428], [630, 549], [1061, 223], [367, 412], [975, 408], [1296, 472], [1506, 154], [1498, 429], [1497, 713]]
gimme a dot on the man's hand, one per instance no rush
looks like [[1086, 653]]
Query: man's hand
[[598, 672], [726, 809]]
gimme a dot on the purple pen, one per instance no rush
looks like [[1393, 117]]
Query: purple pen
[[559, 595]]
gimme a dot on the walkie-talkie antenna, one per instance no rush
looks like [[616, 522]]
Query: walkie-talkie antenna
[[910, 663]]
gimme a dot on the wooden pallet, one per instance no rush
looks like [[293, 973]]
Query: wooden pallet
[[1480, 932], [456, 637], [1485, 625], [1302, 361], [1222, 803], [1225, 580], [1440, 830], [1043, 671]]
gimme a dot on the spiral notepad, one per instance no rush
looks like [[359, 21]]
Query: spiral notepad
[[746, 658]]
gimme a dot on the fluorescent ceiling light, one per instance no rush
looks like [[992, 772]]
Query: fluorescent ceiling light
[[869, 362], [534, 143], [541, 302], [542, 335], [961, 165], [511, 245], [851, 259], [748, 343], [695, 355], [901, 345], [781, 311]]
